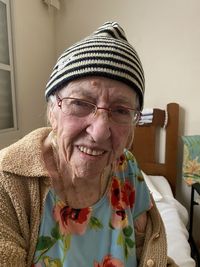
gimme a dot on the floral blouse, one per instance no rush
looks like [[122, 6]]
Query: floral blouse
[[98, 236]]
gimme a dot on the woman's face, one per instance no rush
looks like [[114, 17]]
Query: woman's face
[[89, 144]]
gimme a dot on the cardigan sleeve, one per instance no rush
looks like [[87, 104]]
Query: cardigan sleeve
[[12, 242], [20, 213]]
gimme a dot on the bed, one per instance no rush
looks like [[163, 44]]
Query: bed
[[160, 175]]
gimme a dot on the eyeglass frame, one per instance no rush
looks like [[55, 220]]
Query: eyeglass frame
[[94, 112]]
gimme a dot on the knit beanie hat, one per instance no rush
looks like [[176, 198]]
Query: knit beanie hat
[[105, 53]]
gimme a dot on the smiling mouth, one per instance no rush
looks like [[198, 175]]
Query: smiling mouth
[[90, 151]]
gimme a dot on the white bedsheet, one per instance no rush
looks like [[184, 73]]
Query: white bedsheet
[[175, 218]]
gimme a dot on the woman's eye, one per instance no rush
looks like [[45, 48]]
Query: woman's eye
[[79, 103], [80, 106], [120, 111]]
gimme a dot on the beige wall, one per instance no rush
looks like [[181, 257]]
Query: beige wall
[[33, 30]]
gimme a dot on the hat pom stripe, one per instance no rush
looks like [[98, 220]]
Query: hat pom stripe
[[113, 29]]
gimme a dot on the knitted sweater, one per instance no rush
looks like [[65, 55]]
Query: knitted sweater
[[24, 184]]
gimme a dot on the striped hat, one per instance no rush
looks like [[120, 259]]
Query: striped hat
[[105, 53]]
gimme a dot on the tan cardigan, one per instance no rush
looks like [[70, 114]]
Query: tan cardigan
[[24, 184]]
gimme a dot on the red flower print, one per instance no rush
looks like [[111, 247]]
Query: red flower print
[[122, 195], [115, 193], [108, 261], [128, 194], [119, 219], [121, 163], [71, 221]]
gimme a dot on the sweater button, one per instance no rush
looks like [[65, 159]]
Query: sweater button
[[150, 263], [157, 236]]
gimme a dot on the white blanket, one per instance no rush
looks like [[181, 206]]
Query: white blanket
[[175, 218]]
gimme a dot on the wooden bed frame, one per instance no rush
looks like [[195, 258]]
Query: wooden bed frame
[[146, 145]]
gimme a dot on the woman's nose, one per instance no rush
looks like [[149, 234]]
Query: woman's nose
[[99, 127]]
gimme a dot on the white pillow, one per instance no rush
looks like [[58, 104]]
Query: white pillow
[[155, 193]]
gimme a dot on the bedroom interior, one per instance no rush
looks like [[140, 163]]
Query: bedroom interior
[[168, 40], [161, 178]]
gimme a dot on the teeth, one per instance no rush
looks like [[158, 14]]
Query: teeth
[[90, 151]]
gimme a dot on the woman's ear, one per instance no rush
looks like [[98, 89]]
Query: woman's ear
[[52, 119]]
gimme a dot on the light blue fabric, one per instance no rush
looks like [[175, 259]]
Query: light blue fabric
[[98, 235]]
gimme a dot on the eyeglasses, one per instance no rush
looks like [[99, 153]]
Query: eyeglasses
[[82, 108]]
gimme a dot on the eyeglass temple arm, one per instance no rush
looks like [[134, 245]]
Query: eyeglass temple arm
[[59, 100]]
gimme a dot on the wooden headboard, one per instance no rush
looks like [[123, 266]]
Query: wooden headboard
[[146, 145]]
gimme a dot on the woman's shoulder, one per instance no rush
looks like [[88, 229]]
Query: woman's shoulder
[[24, 157], [35, 134]]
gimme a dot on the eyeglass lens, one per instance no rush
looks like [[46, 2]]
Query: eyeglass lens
[[81, 108]]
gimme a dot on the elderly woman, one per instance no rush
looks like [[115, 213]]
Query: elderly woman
[[72, 194]]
